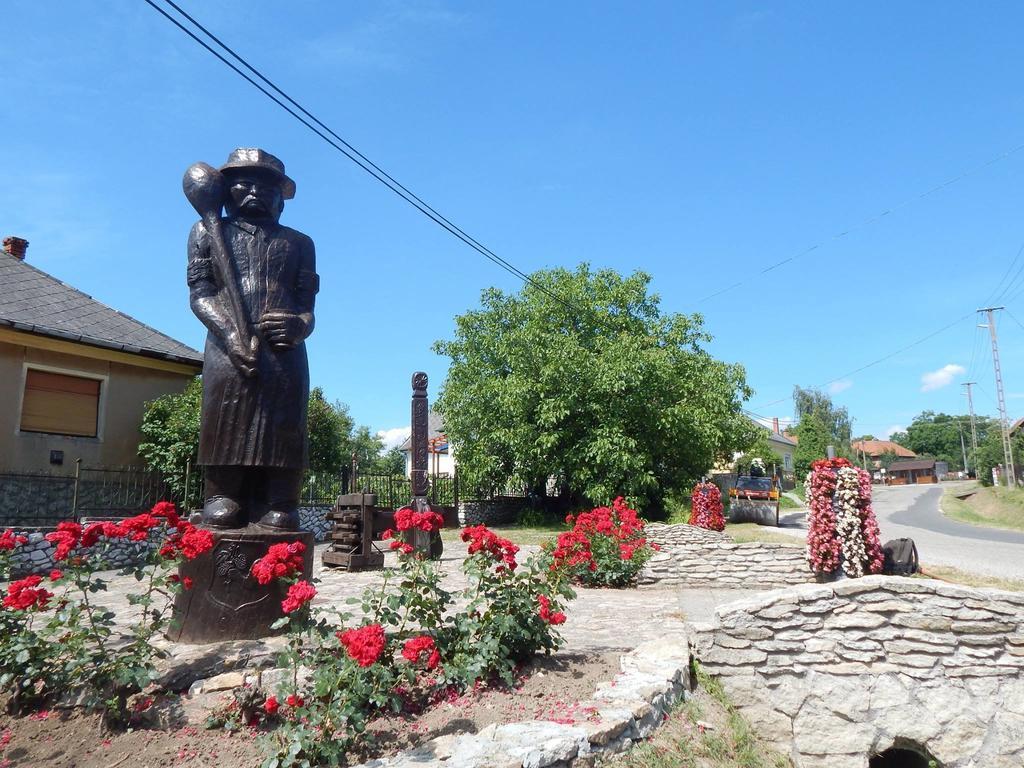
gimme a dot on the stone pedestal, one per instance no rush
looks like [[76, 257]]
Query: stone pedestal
[[225, 601]]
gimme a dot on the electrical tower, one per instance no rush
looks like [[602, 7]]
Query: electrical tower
[[1011, 477], [974, 428]]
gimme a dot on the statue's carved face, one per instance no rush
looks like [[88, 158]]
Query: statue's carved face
[[254, 196]]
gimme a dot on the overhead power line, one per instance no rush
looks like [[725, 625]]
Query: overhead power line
[[315, 125], [873, 363], [867, 222]]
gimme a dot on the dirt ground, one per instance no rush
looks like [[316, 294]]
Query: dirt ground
[[549, 690]]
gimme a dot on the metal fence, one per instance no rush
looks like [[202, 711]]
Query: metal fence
[[395, 491], [46, 499]]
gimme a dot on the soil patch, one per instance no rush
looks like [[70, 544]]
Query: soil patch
[[548, 690]]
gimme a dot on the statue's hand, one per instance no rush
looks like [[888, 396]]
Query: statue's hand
[[241, 357], [283, 330]]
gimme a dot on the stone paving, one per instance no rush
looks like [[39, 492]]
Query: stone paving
[[598, 619]]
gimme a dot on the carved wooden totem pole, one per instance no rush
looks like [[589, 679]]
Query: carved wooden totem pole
[[427, 543]]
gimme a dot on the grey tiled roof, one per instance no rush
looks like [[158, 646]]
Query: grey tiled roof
[[33, 301], [435, 428]]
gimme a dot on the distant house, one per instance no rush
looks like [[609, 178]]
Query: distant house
[[783, 445], [876, 449], [75, 373], [440, 457], [911, 472]]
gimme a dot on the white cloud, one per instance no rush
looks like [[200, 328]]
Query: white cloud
[[394, 437], [839, 386], [942, 377], [893, 430]]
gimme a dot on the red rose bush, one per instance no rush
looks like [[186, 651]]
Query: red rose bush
[[706, 507], [606, 546], [54, 640], [414, 643]]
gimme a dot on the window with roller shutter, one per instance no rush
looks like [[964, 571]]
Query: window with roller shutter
[[60, 404]]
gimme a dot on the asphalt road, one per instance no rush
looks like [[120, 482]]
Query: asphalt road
[[912, 511]]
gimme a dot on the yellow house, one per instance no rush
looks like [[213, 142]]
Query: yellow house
[[74, 373]]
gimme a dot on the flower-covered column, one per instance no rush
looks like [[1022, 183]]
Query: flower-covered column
[[842, 529], [706, 507]]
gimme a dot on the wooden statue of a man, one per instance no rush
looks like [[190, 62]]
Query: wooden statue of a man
[[252, 283]]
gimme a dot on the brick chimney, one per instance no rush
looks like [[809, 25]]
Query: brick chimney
[[15, 246], [775, 424]]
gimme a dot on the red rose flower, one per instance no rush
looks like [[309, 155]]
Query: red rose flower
[[56, 574], [282, 561], [8, 540], [416, 647], [26, 593], [299, 593], [483, 540], [545, 612], [364, 644], [428, 520], [66, 537], [294, 701], [270, 706]]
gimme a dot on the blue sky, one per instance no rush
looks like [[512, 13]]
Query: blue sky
[[701, 143]]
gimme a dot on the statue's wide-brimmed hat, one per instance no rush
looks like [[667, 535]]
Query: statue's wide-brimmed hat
[[247, 159]]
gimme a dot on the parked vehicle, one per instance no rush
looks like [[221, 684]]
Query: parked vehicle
[[755, 500]]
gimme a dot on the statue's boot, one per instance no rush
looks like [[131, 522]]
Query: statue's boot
[[281, 520], [222, 512], [283, 486]]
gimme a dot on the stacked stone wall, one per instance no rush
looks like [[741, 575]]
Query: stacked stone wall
[[692, 556], [499, 511], [36, 555], [834, 673], [314, 519]]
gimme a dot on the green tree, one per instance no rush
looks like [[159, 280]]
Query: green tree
[[330, 433], [887, 458], [367, 448], [813, 439], [835, 419], [596, 387], [170, 431], [937, 435], [990, 454], [391, 462], [170, 440]]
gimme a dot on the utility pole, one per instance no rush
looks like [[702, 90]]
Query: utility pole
[[1011, 477], [963, 448], [974, 428]]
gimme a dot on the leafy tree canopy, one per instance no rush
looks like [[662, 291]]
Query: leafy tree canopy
[[170, 439], [937, 435], [607, 394], [330, 430], [170, 431], [813, 440], [835, 419], [819, 425]]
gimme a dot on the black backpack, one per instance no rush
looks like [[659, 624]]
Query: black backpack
[[900, 557]]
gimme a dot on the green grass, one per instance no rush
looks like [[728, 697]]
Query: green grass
[[534, 534], [745, 532], [704, 731], [956, 576], [989, 507], [787, 503]]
